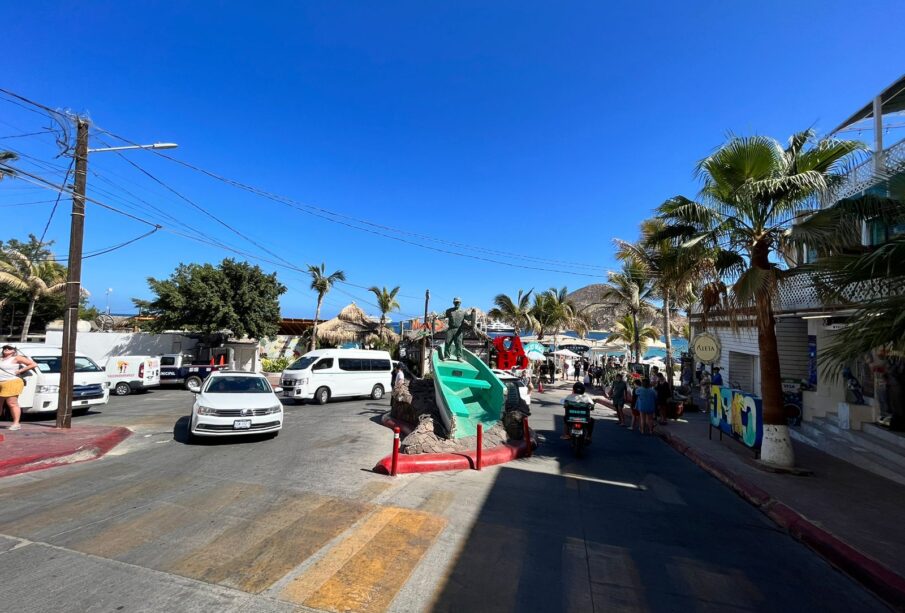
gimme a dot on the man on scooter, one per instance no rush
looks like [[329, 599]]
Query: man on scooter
[[579, 397]]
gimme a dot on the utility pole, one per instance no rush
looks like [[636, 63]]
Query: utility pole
[[74, 278], [427, 297]]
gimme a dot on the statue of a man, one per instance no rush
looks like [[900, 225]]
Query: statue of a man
[[456, 318]]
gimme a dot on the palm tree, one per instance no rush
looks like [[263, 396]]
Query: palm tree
[[321, 282], [553, 311], [631, 291], [38, 277], [386, 302], [7, 156], [625, 331], [517, 313], [753, 191]]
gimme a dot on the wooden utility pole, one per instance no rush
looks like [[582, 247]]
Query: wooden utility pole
[[424, 354], [74, 278]]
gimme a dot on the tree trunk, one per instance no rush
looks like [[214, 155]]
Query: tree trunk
[[637, 338], [317, 314], [27, 323], [667, 332], [776, 447]]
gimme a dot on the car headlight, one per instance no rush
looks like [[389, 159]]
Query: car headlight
[[48, 389], [276, 408], [206, 410]]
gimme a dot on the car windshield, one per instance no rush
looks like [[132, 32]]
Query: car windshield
[[302, 363], [237, 385], [51, 364]]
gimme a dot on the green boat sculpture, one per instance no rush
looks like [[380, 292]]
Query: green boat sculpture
[[468, 393]]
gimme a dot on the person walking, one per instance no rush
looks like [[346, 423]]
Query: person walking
[[646, 404], [398, 376], [617, 395], [662, 390], [717, 378], [12, 367]]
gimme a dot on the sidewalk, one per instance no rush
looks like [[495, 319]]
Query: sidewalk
[[850, 516], [39, 446]]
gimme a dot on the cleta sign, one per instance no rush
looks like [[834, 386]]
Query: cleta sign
[[738, 414]]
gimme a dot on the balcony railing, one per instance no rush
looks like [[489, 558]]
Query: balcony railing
[[867, 174]]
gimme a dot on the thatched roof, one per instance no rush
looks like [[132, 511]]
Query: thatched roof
[[350, 325]]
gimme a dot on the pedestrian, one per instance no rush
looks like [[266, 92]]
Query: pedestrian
[[398, 375], [717, 378], [646, 403], [12, 367], [617, 394], [633, 405], [662, 390]]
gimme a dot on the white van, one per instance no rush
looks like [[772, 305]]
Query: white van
[[131, 373], [42, 385], [336, 373]]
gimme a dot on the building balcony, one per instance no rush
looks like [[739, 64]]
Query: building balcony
[[870, 172]]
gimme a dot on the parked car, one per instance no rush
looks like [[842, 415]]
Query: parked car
[[234, 403], [131, 373], [90, 386], [515, 389], [179, 369], [336, 373]]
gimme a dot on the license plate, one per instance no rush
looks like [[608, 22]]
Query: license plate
[[288, 392], [242, 424], [577, 432]]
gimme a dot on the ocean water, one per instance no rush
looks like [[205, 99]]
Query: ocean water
[[678, 344]]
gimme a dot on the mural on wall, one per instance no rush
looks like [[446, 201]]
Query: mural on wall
[[283, 346], [738, 414]]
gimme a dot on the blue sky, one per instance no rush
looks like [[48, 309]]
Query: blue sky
[[537, 128]]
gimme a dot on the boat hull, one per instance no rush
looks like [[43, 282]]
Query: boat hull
[[467, 392]]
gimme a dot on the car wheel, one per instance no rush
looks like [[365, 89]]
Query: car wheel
[[322, 395], [377, 392], [122, 389], [193, 384]]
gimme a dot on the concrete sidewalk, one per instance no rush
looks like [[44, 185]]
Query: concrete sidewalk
[[39, 446], [850, 516]]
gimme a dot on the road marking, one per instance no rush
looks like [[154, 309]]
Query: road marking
[[437, 502], [369, 580]]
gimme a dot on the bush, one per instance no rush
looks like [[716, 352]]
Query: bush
[[274, 364]]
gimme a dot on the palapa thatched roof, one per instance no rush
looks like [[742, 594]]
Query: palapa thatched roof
[[350, 325]]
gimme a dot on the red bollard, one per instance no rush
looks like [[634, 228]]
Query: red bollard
[[395, 451], [527, 435], [480, 450]]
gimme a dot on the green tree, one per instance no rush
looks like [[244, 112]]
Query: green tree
[[553, 312], [517, 313], [753, 191], [631, 290], [321, 283], [34, 276], [386, 302], [234, 296], [5, 158], [625, 331]]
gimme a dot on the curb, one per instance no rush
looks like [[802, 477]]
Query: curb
[[91, 451], [434, 462], [881, 580]]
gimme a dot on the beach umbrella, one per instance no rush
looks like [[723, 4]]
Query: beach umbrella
[[535, 356]]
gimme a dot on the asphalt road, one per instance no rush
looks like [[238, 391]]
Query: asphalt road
[[300, 523]]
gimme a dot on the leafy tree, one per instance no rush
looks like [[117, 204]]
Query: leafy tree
[[33, 275], [234, 296], [5, 158], [321, 282], [517, 313], [631, 291], [386, 302], [753, 191], [553, 311], [625, 331]]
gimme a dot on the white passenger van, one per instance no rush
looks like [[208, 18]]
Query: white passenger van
[[42, 385], [338, 373], [133, 373]]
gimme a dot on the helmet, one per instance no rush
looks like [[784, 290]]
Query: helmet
[[578, 388]]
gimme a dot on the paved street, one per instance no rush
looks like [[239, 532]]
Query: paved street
[[300, 523]]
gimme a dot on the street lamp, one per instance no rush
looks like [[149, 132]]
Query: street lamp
[[74, 276], [109, 291]]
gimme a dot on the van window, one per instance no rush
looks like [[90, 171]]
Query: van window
[[51, 364], [323, 364], [167, 361], [352, 364], [380, 365]]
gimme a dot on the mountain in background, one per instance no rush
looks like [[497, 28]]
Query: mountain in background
[[589, 299]]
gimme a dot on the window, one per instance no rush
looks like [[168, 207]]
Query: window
[[85, 365], [324, 364], [353, 364], [380, 365], [167, 361], [237, 385], [879, 232], [52, 364], [302, 363]]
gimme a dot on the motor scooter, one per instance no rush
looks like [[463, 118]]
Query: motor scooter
[[578, 424]]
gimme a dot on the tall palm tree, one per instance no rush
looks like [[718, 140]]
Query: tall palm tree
[[517, 313], [386, 302], [625, 331], [553, 311], [753, 191], [37, 277], [631, 291], [321, 282], [7, 156]]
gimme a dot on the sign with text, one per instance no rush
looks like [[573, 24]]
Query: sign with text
[[706, 348], [738, 414]]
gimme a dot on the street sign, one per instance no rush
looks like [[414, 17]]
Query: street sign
[[706, 348]]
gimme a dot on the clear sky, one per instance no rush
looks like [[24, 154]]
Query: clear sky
[[543, 129]]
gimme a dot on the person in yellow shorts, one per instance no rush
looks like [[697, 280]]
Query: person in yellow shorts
[[12, 365]]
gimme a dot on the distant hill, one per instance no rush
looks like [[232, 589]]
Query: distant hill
[[604, 315]]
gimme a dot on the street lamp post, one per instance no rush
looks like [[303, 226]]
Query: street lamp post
[[74, 274]]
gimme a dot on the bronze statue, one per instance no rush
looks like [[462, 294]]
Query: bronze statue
[[456, 318]]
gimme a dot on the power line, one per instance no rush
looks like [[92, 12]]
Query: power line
[[59, 194]]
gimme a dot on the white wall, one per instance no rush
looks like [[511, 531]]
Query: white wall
[[100, 346]]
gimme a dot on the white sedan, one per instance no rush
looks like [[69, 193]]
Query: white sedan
[[232, 403]]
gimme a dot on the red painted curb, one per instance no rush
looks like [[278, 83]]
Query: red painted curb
[[40, 461], [433, 462], [884, 582]]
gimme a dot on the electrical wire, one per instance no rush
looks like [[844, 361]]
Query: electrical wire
[[54, 209]]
